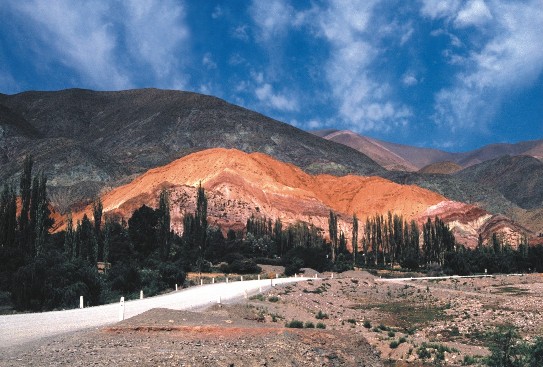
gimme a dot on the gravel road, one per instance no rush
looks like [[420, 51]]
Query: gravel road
[[23, 328]]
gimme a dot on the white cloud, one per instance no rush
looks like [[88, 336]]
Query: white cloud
[[364, 98], [106, 43], [278, 101], [510, 60], [217, 12], [314, 124], [409, 80], [208, 62], [273, 17], [236, 59], [439, 8], [156, 31], [241, 32], [474, 13], [81, 35]]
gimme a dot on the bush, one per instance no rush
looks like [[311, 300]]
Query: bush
[[320, 325], [391, 334], [245, 266], [295, 324], [367, 324], [258, 297], [309, 325], [352, 321], [469, 360], [273, 299], [394, 344], [321, 315], [383, 327], [293, 266]]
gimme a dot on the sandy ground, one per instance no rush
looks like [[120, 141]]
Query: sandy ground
[[367, 323]]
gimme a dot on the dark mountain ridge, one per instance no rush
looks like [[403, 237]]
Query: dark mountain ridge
[[87, 141]]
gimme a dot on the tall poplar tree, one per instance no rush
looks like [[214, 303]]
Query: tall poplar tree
[[355, 238], [163, 230], [332, 229]]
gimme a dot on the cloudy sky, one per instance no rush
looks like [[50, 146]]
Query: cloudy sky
[[452, 74]]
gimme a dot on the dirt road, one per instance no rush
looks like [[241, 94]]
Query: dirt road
[[22, 328]]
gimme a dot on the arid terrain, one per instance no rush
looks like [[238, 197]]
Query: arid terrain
[[368, 321]]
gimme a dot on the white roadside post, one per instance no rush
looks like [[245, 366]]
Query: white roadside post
[[141, 294], [201, 282], [121, 310], [213, 280], [226, 280], [241, 278], [219, 300], [80, 301], [258, 276], [176, 287]]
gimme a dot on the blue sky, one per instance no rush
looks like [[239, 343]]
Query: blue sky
[[453, 74]]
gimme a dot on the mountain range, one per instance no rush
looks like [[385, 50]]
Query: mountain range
[[409, 158], [92, 143]]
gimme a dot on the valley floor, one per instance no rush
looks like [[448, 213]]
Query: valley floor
[[368, 323]]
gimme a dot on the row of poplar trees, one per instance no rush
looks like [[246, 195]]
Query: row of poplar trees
[[23, 237], [392, 240]]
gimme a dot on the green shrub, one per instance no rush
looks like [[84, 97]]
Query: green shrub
[[352, 321], [295, 324], [320, 325], [384, 328], [309, 325], [391, 334], [469, 360], [258, 297], [394, 344], [273, 299], [367, 324], [321, 315], [402, 340]]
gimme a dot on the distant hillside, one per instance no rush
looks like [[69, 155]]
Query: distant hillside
[[87, 141], [378, 150], [403, 157], [442, 168], [519, 179]]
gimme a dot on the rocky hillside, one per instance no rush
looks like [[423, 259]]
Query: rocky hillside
[[379, 151], [441, 168], [409, 158], [519, 179], [240, 185], [87, 141]]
